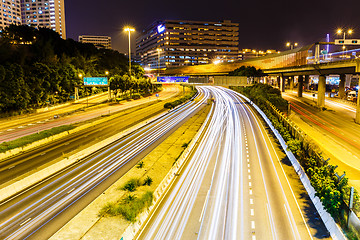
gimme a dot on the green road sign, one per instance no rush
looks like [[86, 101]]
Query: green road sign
[[96, 81]]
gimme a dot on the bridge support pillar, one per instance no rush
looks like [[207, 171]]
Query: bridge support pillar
[[342, 86], [307, 82], [282, 84], [357, 118], [321, 91], [300, 85], [291, 83]]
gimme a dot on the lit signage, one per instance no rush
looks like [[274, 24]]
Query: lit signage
[[95, 81], [161, 28], [169, 79]]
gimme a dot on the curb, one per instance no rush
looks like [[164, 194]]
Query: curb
[[133, 229], [330, 224]]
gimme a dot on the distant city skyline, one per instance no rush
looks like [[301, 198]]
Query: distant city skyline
[[263, 24]]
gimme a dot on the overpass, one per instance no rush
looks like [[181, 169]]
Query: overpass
[[287, 66]]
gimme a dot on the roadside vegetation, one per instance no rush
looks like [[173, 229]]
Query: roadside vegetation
[[23, 141], [38, 69], [181, 100], [333, 191], [135, 189]]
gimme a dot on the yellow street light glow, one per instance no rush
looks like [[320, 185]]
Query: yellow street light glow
[[216, 61], [106, 72], [339, 31], [295, 44], [129, 29], [80, 75], [350, 31], [288, 44]]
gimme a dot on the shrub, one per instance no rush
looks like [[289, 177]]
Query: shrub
[[140, 164], [131, 185], [148, 181]]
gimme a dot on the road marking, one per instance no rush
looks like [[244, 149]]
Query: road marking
[[21, 126], [100, 170], [11, 167], [249, 177], [43, 154], [248, 160], [250, 192], [247, 156], [253, 238], [253, 224], [252, 212], [202, 212], [11, 129], [248, 164], [71, 190], [248, 170], [25, 221], [249, 184], [251, 201]]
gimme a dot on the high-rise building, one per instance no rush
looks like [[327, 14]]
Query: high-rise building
[[174, 43], [44, 13], [98, 41], [10, 13]]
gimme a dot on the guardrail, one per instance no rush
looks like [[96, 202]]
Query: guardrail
[[334, 230]]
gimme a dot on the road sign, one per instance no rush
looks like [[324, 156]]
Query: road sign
[[347, 41], [96, 81], [172, 79]]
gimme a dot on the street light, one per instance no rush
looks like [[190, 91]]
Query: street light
[[129, 30], [340, 31], [291, 45], [158, 51]]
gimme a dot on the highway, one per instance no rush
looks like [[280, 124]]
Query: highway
[[82, 110], [233, 185], [32, 213], [334, 130], [14, 168]]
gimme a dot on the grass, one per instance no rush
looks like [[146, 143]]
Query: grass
[[129, 207], [23, 141], [156, 164]]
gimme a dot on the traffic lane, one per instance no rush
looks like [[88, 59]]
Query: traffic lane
[[39, 123], [34, 118], [282, 220], [14, 167], [341, 144]]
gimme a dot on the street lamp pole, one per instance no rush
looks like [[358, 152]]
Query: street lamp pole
[[339, 31], [288, 44], [129, 30], [158, 51]]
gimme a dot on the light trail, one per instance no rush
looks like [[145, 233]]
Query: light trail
[[39, 207], [227, 200]]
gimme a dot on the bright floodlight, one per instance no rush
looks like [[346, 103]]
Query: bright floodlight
[[339, 31], [350, 31], [288, 44], [129, 29]]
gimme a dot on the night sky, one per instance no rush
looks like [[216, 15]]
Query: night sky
[[264, 24]]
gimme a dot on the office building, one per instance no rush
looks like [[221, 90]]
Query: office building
[[175, 43], [10, 13], [98, 41], [44, 13]]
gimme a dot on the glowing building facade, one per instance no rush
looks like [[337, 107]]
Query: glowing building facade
[[175, 43], [44, 13], [10, 13]]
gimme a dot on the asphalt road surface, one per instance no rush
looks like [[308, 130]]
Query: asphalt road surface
[[41, 210], [233, 186]]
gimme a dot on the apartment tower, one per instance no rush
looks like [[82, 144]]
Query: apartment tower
[[10, 13], [44, 13]]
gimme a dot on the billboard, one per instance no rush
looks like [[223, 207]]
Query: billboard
[[172, 79], [96, 81]]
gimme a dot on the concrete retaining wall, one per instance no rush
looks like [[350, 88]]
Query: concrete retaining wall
[[332, 227]]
